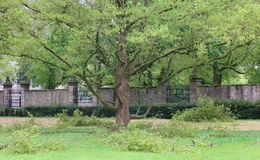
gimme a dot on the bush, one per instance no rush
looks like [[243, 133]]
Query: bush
[[139, 140], [222, 130], [206, 111], [177, 128], [242, 109], [77, 119], [160, 110], [22, 140], [139, 124]]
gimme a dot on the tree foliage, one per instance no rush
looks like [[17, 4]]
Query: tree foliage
[[117, 40]]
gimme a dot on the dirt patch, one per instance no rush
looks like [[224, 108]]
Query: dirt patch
[[8, 121], [238, 125], [47, 122], [248, 125]]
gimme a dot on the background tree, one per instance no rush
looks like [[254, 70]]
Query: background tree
[[235, 68], [8, 65]]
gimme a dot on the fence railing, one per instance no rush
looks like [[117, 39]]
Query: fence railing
[[177, 94]]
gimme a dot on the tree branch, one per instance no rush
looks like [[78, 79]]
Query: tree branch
[[142, 67], [38, 59], [30, 8], [204, 62], [96, 92]]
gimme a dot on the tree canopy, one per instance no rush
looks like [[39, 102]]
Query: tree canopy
[[118, 40]]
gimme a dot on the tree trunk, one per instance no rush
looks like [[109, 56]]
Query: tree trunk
[[122, 115], [122, 92]]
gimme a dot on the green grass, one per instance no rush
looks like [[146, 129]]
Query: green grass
[[82, 144]]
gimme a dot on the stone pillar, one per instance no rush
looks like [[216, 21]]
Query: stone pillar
[[25, 84], [7, 93], [73, 91], [163, 93], [195, 82], [25, 87]]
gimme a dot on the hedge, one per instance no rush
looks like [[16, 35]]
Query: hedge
[[243, 110]]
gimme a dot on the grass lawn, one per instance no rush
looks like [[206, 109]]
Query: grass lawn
[[82, 144]]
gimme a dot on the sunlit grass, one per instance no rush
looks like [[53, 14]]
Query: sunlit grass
[[87, 144]]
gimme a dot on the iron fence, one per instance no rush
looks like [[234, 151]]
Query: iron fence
[[177, 94], [14, 98]]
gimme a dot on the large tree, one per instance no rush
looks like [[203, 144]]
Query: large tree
[[128, 37]]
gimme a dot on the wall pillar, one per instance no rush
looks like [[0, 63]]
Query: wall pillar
[[7, 93], [25, 87], [73, 91], [195, 82], [163, 93]]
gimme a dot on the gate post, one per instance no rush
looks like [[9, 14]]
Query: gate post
[[7, 93], [195, 82], [73, 91], [25, 86]]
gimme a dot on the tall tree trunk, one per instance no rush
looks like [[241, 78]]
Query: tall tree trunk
[[122, 91], [122, 96]]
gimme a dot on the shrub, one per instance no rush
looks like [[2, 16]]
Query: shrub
[[51, 145], [206, 111], [139, 140], [29, 125], [77, 119], [222, 130], [22, 140], [177, 128], [242, 109], [139, 124]]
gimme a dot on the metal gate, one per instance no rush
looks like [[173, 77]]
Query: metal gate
[[178, 94], [85, 98], [14, 98]]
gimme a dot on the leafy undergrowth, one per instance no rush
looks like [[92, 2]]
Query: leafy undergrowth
[[78, 120], [140, 140], [89, 144], [22, 140], [143, 135], [94, 138]]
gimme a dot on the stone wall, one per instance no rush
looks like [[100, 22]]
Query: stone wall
[[148, 95], [250, 92], [139, 95], [1, 99], [22, 96], [46, 97]]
